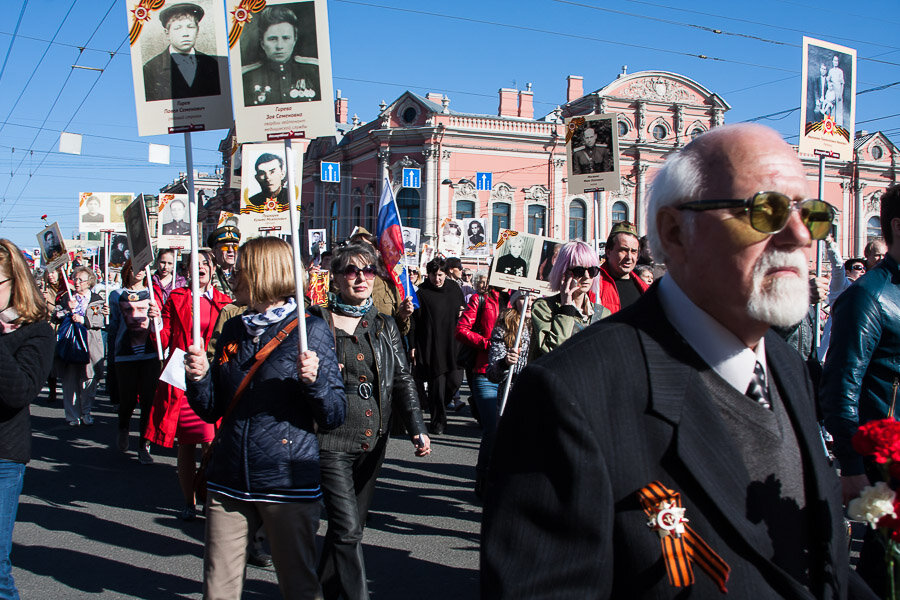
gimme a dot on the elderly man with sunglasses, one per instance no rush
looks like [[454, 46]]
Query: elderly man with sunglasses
[[224, 242], [671, 450], [860, 377]]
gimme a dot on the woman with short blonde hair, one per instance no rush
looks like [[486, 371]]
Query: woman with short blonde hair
[[268, 266]]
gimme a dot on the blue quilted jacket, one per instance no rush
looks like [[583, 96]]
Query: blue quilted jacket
[[268, 443]]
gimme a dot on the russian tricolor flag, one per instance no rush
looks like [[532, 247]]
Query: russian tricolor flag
[[390, 242]]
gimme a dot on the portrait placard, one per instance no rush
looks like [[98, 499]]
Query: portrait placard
[[828, 99], [117, 205], [317, 242], [228, 218], [137, 229], [450, 239], [179, 64], [173, 226], [118, 250], [475, 239], [53, 248], [280, 70], [93, 212], [549, 251], [411, 237], [592, 153], [516, 261], [264, 194]]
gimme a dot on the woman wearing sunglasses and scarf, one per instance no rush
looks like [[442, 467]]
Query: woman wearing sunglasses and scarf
[[557, 318], [377, 382]]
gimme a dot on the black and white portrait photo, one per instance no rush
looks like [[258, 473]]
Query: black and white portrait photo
[[52, 247], [279, 53], [138, 232], [187, 66], [174, 218], [827, 108], [411, 244], [475, 242], [450, 242], [513, 258], [592, 153], [118, 250], [317, 242], [92, 209]]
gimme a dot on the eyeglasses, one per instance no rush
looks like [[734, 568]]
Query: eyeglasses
[[581, 271], [856, 267], [81, 280], [352, 271], [770, 212], [5, 280]]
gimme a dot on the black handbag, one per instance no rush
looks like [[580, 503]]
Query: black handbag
[[72, 342]]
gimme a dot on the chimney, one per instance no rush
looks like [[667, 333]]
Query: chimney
[[341, 108], [508, 103], [434, 97], [575, 89], [526, 103]]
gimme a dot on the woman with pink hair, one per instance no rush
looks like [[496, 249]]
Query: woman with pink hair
[[557, 318]]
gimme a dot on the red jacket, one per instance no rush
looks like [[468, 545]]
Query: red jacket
[[176, 333], [609, 295], [479, 334]]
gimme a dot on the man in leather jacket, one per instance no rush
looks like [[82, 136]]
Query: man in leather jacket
[[861, 367]]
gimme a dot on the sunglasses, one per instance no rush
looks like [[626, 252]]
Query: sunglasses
[[229, 247], [580, 272], [858, 267], [770, 211], [352, 271]]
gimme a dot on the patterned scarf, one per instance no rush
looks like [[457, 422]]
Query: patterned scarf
[[257, 323], [348, 310]]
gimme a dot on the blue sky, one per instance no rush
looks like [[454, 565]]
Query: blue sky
[[464, 49]]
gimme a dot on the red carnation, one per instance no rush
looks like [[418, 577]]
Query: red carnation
[[880, 440]]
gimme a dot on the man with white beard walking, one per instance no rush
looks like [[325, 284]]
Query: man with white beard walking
[[674, 445]]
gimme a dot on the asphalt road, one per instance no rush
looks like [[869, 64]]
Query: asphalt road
[[95, 523]]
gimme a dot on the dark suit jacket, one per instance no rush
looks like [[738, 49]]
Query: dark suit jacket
[[163, 80], [177, 228], [617, 407]]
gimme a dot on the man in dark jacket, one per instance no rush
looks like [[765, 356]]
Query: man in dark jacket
[[860, 377]]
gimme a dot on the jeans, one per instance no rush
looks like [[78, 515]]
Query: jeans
[[348, 482], [11, 476], [484, 393]]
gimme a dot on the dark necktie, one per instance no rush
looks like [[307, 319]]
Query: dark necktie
[[758, 390]]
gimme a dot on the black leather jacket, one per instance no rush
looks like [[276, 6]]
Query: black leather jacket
[[863, 359], [397, 389]]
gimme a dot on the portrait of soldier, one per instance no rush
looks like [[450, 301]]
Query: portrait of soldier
[[592, 157], [177, 225], [269, 173], [180, 71], [512, 262], [280, 76], [93, 214], [52, 246]]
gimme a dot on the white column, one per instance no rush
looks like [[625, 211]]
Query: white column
[[430, 209]]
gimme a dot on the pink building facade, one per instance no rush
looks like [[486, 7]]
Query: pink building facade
[[658, 112]]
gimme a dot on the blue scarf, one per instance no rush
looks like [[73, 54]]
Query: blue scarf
[[257, 323], [348, 310]]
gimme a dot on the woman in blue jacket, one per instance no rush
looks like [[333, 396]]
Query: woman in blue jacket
[[264, 466]]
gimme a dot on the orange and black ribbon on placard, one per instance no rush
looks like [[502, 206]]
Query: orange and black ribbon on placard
[[243, 14], [141, 14], [681, 545]]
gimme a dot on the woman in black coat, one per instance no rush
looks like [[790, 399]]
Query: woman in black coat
[[26, 353], [264, 467], [378, 384]]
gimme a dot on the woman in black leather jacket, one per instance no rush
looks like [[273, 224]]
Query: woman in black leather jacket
[[377, 381]]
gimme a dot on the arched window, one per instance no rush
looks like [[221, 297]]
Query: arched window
[[465, 209], [500, 217], [619, 212], [577, 220], [408, 203], [536, 219], [334, 221], [873, 228], [370, 216]]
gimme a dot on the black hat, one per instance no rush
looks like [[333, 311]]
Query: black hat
[[184, 8], [226, 234]]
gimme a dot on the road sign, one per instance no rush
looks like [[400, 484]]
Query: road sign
[[412, 177], [484, 181], [331, 172]]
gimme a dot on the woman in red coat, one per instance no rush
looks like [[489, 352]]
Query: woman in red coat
[[171, 418]]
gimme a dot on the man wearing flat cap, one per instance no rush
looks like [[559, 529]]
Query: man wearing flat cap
[[224, 242], [180, 71]]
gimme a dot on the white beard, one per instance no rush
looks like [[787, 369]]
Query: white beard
[[780, 301]]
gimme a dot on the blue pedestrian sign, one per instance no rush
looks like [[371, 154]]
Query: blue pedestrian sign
[[484, 181], [412, 178], [331, 172]]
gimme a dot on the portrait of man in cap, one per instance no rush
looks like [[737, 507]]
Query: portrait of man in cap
[[176, 225], [270, 174], [180, 71]]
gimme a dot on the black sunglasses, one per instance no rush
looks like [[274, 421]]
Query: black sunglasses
[[770, 212], [352, 271], [856, 267], [580, 271]]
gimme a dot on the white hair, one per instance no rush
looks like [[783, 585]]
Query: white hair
[[680, 179]]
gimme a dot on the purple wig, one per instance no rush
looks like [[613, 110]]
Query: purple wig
[[574, 254]]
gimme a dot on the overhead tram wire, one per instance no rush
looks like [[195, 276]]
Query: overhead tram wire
[[35, 70], [13, 40], [790, 110], [566, 35]]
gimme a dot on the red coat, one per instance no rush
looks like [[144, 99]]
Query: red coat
[[609, 295], [176, 333], [479, 334]]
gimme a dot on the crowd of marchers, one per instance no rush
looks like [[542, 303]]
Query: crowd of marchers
[[668, 391]]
